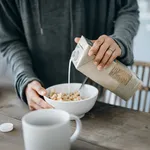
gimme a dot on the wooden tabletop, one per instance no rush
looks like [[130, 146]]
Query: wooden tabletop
[[105, 127]]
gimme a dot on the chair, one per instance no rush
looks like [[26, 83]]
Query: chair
[[141, 99]]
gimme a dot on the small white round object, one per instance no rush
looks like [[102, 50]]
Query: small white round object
[[6, 127]]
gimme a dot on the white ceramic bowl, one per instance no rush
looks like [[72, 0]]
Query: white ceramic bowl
[[78, 108]]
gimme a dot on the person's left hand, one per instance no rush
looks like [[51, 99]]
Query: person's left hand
[[105, 49]]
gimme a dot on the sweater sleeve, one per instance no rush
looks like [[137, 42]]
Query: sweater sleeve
[[126, 27], [13, 46]]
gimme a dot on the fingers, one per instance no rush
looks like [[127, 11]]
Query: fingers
[[101, 53], [35, 102], [105, 50], [34, 106], [112, 58], [77, 39], [106, 56], [38, 101], [38, 88], [96, 46]]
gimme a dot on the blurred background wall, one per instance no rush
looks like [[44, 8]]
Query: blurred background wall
[[142, 40]]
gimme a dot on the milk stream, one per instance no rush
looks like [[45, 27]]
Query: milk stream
[[69, 75], [73, 57]]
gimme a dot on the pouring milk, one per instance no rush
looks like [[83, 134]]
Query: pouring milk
[[117, 77]]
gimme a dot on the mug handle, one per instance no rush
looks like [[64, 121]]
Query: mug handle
[[75, 135]]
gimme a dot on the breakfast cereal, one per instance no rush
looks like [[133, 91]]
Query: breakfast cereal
[[75, 96]]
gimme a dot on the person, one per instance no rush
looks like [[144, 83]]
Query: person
[[37, 38]]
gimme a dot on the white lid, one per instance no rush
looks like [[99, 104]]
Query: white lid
[[6, 127]]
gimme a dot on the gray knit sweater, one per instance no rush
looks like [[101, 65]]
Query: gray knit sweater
[[37, 36]]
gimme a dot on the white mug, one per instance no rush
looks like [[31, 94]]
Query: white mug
[[49, 129]]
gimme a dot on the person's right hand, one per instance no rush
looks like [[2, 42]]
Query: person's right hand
[[33, 92]]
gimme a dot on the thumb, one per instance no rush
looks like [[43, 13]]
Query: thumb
[[77, 39], [39, 89]]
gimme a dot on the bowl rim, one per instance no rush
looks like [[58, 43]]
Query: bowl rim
[[86, 99]]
